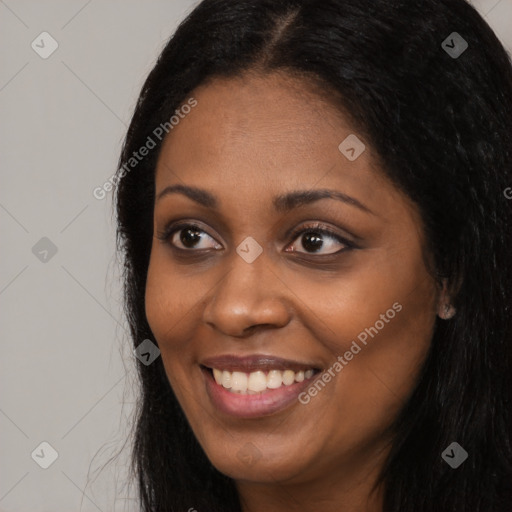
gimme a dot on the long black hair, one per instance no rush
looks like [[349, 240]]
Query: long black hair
[[441, 123]]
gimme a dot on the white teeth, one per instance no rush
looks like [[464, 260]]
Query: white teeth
[[274, 379], [239, 381], [226, 379], [217, 374], [288, 377], [258, 381]]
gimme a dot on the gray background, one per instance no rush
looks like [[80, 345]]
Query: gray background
[[66, 368]]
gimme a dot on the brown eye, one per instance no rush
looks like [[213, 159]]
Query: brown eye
[[313, 239], [188, 237], [320, 240]]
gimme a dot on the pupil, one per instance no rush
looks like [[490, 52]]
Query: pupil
[[313, 241], [189, 240]]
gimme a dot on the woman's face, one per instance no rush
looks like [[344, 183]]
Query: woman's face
[[244, 293]]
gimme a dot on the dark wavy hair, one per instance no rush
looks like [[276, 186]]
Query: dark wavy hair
[[442, 127]]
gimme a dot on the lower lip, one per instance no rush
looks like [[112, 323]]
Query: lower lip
[[253, 406]]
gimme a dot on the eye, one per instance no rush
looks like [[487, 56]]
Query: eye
[[188, 235], [313, 239]]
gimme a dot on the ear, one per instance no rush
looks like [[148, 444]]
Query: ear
[[445, 310]]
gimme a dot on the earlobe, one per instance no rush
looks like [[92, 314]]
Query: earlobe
[[445, 310]]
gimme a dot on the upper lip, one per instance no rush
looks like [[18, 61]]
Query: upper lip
[[254, 363]]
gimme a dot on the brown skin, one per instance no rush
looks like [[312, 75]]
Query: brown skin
[[248, 140]]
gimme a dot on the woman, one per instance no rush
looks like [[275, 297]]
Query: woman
[[311, 208]]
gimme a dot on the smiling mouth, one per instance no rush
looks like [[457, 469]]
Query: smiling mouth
[[259, 381], [241, 400], [256, 385]]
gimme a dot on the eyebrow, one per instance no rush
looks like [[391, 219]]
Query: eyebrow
[[282, 203]]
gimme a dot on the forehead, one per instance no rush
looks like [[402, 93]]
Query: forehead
[[253, 136]]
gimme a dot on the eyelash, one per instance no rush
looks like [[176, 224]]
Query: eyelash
[[316, 227]]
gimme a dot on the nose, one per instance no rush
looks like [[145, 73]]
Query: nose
[[249, 296]]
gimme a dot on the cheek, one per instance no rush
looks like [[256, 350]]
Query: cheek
[[169, 299], [159, 305], [387, 291], [169, 302], [380, 317]]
